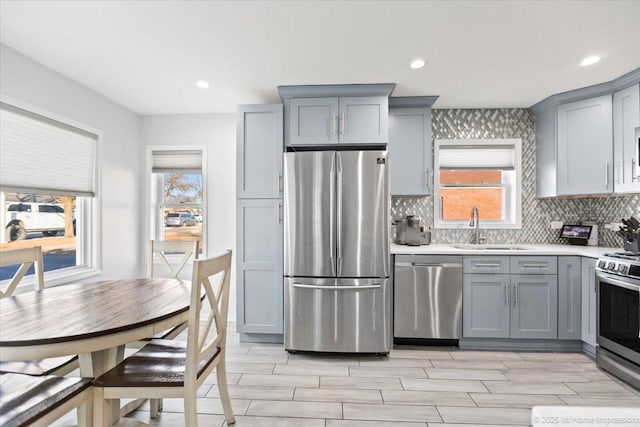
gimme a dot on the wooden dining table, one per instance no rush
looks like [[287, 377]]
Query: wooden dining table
[[94, 320]]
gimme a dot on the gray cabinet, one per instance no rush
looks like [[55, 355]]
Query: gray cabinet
[[500, 304], [585, 139], [585, 147], [589, 301], [569, 298], [259, 151], [332, 120], [411, 162], [259, 266], [336, 114], [485, 307], [626, 148], [534, 306]]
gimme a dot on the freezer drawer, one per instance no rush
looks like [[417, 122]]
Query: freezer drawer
[[337, 315], [428, 297]]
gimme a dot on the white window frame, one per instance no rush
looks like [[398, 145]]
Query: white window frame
[[154, 220], [88, 230], [514, 188]]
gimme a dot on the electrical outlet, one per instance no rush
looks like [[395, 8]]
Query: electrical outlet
[[556, 225], [613, 226]]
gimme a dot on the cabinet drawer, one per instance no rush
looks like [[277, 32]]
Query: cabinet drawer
[[534, 265], [486, 264]]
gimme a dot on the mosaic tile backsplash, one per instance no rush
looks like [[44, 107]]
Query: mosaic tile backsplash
[[536, 213]]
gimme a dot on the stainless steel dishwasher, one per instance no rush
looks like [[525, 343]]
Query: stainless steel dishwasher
[[428, 297]]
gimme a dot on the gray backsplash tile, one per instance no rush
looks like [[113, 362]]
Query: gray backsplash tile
[[536, 213]]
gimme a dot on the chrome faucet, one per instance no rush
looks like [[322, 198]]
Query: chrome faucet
[[475, 222]]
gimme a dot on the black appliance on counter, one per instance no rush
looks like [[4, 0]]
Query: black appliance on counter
[[618, 315]]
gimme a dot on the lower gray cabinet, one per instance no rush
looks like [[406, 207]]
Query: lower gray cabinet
[[259, 266], [569, 297], [534, 306], [485, 308], [589, 301]]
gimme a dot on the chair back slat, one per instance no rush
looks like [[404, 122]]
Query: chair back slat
[[26, 258], [201, 339], [160, 248]]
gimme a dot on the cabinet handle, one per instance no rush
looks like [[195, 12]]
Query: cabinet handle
[[633, 170], [426, 179], [486, 265], [279, 184], [606, 176], [515, 300], [534, 265], [506, 294], [278, 215], [333, 124], [343, 120]]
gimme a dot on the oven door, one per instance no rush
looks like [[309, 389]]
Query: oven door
[[618, 316]]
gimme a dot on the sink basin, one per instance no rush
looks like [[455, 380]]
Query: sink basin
[[490, 247]]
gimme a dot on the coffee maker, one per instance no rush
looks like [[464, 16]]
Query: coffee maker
[[410, 231]]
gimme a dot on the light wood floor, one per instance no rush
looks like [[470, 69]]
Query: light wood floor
[[410, 387]]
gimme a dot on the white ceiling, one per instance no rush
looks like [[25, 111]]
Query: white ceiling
[[146, 55]]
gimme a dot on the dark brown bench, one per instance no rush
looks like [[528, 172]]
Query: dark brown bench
[[37, 401]]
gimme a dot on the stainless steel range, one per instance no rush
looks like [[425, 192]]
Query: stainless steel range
[[618, 315]]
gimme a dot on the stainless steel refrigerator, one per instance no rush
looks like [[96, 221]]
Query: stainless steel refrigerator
[[337, 290]]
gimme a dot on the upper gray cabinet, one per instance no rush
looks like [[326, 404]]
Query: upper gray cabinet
[[336, 114], [585, 139], [410, 145], [626, 147], [585, 147], [259, 151]]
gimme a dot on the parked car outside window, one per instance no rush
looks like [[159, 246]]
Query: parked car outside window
[[179, 219]]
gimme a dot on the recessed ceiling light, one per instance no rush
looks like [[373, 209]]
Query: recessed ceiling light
[[203, 84], [590, 60], [417, 63]]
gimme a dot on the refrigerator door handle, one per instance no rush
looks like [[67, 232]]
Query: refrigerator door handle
[[337, 288], [332, 215], [339, 212]]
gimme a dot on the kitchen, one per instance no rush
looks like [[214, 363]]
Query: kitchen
[[450, 120]]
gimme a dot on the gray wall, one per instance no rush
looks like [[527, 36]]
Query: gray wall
[[119, 174], [536, 213]]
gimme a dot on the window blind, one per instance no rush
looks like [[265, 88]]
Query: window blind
[[486, 157], [41, 155], [176, 161]]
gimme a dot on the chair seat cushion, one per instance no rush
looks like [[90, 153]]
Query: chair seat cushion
[[159, 363], [24, 398], [37, 367]]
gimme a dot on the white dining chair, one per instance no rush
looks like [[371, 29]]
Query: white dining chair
[[38, 401], [26, 258], [176, 369], [168, 259]]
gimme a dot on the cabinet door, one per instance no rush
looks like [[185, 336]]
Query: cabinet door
[[364, 120], [259, 151], [585, 147], [410, 151], [259, 266], [485, 306], [534, 306], [313, 121], [626, 148], [589, 301], [569, 298]]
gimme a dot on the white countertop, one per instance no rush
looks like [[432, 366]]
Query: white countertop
[[502, 249]]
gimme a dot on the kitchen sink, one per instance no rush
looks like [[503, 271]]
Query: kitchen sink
[[490, 247]]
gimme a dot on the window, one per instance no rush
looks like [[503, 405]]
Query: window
[[481, 173], [50, 205], [177, 194]]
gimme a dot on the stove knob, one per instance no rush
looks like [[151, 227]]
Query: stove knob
[[623, 269], [611, 266], [602, 264]]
